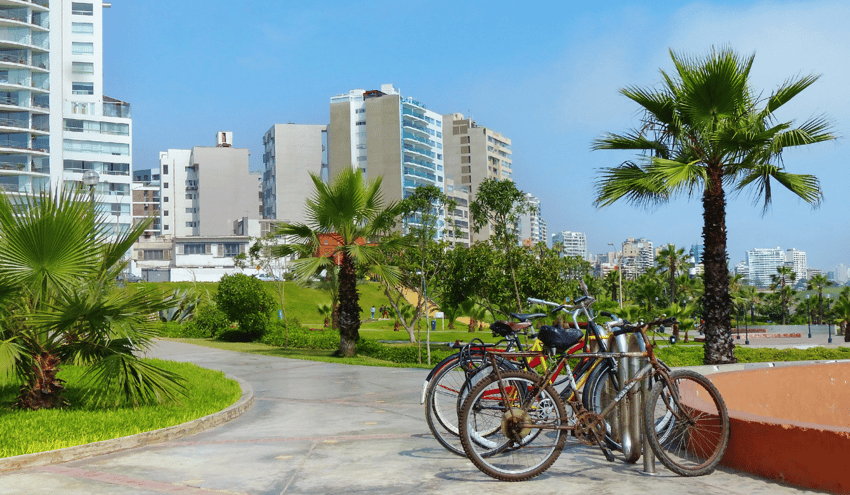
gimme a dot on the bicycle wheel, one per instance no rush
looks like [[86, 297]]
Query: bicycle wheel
[[441, 408], [601, 388], [687, 423], [524, 441]]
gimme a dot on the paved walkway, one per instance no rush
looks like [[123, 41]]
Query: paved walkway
[[324, 428]]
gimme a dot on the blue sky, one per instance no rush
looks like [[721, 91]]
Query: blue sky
[[545, 75]]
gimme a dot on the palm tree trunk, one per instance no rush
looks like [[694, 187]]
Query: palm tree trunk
[[43, 389], [719, 348], [349, 307]]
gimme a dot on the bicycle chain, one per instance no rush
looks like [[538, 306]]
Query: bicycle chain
[[590, 428]]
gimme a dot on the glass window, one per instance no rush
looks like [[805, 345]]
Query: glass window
[[154, 254], [79, 8], [194, 247], [82, 88], [82, 48], [82, 67], [230, 250], [82, 27]]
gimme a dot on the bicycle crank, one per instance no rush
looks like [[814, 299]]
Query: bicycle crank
[[590, 428], [515, 423]]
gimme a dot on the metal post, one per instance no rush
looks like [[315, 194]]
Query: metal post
[[809, 314], [631, 448], [648, 454], [747, 331], [829, 322]]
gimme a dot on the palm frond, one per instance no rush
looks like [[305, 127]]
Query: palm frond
[[631, 182], [138, 381]]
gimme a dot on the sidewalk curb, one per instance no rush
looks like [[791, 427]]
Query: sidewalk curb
[[138, 440]]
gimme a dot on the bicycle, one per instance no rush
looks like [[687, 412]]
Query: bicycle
[[446, 385], [684, 417]]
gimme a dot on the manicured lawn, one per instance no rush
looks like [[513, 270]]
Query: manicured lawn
[[24, 432]]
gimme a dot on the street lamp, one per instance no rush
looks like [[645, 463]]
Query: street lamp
[[91, 178], [620, 272], [747, 328], [828, 322], [809, 313]]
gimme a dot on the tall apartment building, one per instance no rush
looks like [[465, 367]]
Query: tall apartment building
[[796, 259], [573, 244], [383, 133], [473, 154], [207, 189], [531, 227], [638, 256], [291, 153], [146, 189], [457, 220], [763, 264], [55, 122]]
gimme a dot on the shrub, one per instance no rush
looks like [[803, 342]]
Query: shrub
[[400, 353], [244, 300], [208, 321], [300, 337]]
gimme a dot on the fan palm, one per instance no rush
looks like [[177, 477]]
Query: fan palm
[[674, 262], [705, 131], [818, 282], [59, 303], [780, 282], [351, 211]]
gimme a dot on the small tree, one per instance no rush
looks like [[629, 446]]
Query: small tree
[[244, 300]]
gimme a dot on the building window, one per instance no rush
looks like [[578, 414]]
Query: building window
[[165, 169], [82, 67], [165, 199], [81, 88], [165, 213], [82, 28], [195, 247], [82, 48], [229, 250], [362, 122], [154, 254], [165, 185], [79, 8]]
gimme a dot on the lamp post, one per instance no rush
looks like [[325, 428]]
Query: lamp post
[[747, 329], [738, 325], [620, 272], [828, 322], [91, 178], [809, 313]]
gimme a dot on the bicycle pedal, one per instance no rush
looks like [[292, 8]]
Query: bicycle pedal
[[608, 454]]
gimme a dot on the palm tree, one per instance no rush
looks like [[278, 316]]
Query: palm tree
[[350, 212], [705, 131], [780, 280], [818, 282], [673, 261], [59, 304]]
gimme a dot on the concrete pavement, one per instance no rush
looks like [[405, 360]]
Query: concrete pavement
[[323, 428]]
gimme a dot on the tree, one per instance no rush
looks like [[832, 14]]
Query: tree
[[673, 261], [350, 212], [244, 300], [706, 130], [818, 282], [59, 303], [781, 280], [500, 205]]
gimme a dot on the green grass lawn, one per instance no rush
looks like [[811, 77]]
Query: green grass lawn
[[25, 432]]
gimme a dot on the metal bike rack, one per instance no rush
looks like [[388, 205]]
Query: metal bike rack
[[630, 412]]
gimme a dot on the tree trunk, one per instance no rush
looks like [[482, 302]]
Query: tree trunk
[[349, 307], [719, 348], [43, 390]]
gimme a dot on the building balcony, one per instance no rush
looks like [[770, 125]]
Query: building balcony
[[419, 151], [407, 136], [419, 163], [416, 115]]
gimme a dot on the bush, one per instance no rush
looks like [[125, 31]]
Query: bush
[[400, 353], [300, 337], [208, 322], [244, 300]]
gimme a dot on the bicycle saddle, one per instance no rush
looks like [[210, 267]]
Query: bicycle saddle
[[559, 338]]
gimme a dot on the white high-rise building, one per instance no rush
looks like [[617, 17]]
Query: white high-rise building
[[763, 264], [573, 243], [55, 122], [532, 229], [291, 153], [797, 260]]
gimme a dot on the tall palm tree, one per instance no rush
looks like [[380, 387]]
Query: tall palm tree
[[818, 282], [352, 211], [705, 130], [59, 304], [780, 282], [674, 262]]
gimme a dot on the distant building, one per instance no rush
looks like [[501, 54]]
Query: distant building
[[572, 243], [385, 134], [696, 253], [531, 226], [291, 153], [797, 260], [638, 256], [474, 153], [840, 274], [457, 220], [763, 264]]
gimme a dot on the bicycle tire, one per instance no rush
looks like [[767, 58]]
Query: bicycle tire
[[599, 390], [443, 392], [524, 450], [693, 438]]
